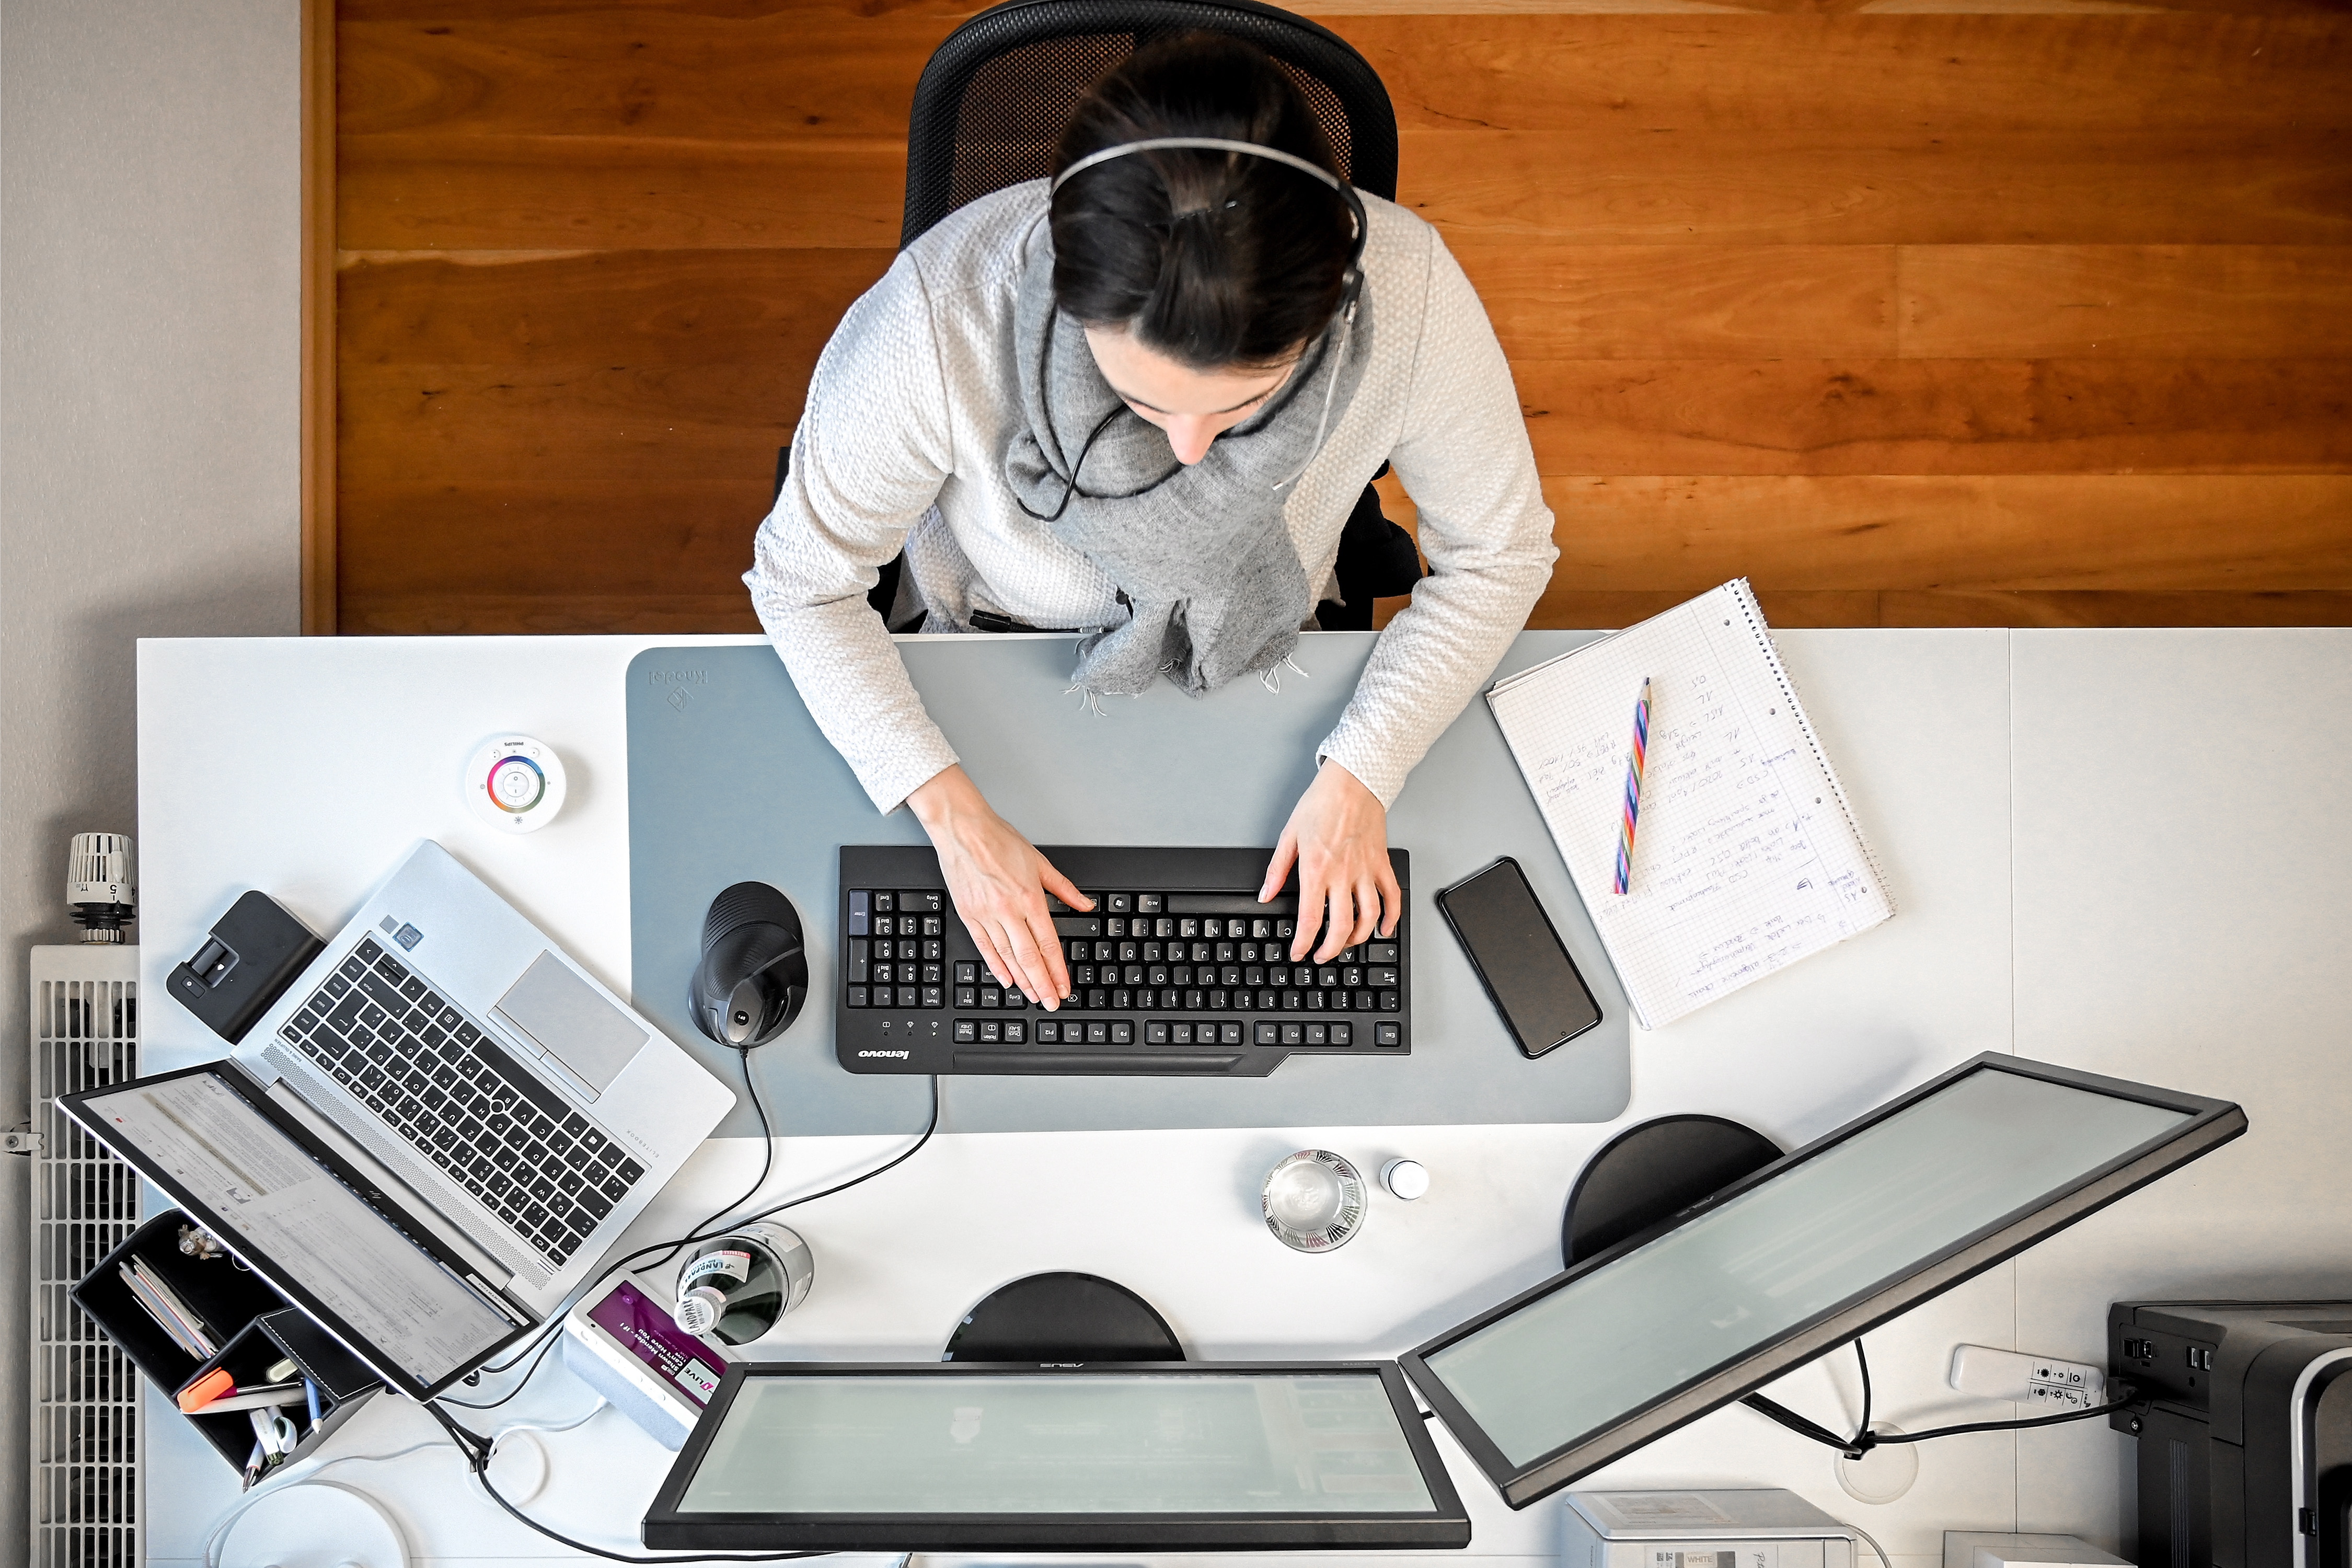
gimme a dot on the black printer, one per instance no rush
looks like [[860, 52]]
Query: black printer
[[2245, 1432]]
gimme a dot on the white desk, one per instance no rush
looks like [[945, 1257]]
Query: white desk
[[2124, 851]]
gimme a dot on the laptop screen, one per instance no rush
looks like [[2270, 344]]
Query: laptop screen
[[270, 1199], [1105, 1455]]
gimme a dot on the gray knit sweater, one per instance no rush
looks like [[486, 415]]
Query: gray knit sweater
[[902, 445]]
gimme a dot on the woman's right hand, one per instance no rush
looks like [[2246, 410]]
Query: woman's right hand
[[999, 883]]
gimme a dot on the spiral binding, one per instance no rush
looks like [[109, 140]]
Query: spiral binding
[[1763, 631]]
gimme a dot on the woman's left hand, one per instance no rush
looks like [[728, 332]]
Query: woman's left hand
[[1337, 836]]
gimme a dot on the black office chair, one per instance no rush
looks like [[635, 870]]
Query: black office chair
[[990, 110]]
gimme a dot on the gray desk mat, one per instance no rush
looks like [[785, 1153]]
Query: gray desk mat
[[730, 779]]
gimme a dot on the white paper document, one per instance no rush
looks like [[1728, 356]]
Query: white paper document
[[1745, 855]]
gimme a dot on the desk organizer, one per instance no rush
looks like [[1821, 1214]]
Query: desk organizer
[[344, 1383], [252, 1323]]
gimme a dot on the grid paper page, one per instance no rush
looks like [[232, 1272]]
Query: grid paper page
[[1746, 857]]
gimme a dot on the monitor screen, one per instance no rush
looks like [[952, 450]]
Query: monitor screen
[[1808, 1252], [1107, 1457]]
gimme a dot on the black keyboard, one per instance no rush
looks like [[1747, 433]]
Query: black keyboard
[[431, 1074], [1177, 969]]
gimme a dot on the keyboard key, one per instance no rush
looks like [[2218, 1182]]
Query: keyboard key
[[1097, 1034], [1122, 1032], [1016, 1031], [992, 1030], [1380, 977], [1049, 1032], [1293, 1033], [1392, 1002], [966, 995], [1319, 1033], [1156, 1033], [934, 998], [1269, 1033], [966, 1031], [1381, 952], [1228, 1033], [967, 974], [1388, 1034], [1343, 1034]]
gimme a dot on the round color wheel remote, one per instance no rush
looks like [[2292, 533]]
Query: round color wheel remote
[[514, 783]]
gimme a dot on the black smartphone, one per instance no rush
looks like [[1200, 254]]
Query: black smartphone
[[1519, 957]]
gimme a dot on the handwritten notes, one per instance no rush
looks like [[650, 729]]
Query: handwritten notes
[[1747, 857]]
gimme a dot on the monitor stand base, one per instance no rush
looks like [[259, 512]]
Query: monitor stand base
[[1649, 1173], [1063, 1320]]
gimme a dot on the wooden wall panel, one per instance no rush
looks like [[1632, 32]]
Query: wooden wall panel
[[1916, 311], [1938, 416]]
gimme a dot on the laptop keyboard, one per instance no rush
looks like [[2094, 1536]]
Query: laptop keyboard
[[1177, 969], [432, 1075]]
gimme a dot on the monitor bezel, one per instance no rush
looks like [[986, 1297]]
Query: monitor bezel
[[1444, 1526], [2212, 1124]]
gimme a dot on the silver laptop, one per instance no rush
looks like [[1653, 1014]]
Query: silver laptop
[[448, 1064]]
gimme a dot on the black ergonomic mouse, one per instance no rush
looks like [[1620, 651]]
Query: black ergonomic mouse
[[753, 976]]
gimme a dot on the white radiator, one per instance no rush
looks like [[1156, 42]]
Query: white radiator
[[84, 1392]]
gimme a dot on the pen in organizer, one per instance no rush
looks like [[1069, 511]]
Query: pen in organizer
[[1632, 789]]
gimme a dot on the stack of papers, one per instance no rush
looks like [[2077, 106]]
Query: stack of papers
[[173, 1316]]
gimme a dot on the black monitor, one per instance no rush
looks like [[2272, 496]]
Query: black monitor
[[1136, 1456], [1849, 1231]]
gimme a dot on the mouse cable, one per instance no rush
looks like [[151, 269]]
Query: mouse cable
[[767, 1164], [476, 1451], [554, 1321], [1865, 1439]]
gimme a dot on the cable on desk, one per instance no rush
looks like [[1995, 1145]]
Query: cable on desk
[[1883, 1559], [475, 1450], [1865, 1439], [549, 1341], [293, 1476], [767, 1162], [553, 1324]]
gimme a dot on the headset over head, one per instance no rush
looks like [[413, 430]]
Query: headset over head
[[1185, 207]]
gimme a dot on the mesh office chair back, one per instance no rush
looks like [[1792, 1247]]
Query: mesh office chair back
[[990, 110], [993, 100]]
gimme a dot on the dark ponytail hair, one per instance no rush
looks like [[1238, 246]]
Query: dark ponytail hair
[[1216, 260]]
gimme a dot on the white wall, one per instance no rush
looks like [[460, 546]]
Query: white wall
[[150, 296]]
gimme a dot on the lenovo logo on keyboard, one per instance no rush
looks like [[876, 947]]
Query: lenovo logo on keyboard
[[1177, 969]]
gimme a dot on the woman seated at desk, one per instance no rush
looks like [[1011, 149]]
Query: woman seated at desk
[[1139, 401]]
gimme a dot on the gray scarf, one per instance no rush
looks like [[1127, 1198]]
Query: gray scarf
[[1211, 583]]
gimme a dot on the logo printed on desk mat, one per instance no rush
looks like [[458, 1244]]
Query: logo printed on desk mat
[[678, 698]]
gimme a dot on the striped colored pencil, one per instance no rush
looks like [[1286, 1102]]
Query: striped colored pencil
[[1632, 788]]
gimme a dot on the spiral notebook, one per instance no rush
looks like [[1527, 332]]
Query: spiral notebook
[[1746, 857]]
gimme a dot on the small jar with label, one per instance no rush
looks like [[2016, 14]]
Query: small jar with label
[[737, 1287]]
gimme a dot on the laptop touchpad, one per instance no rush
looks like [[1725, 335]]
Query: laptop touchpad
[[569, 1022]]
